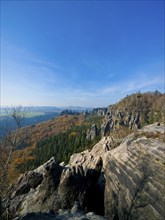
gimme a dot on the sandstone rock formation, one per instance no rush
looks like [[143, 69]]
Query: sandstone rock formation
[[100, 111], [115, 118], [126, 182], [93, 132], [134, 174], [135, 111]]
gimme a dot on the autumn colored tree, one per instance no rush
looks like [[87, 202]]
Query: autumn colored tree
[[12, 138]]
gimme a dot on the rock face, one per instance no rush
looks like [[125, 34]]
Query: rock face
[[126, 182], [92, 133], [120, 117], [134, 174], [100, 111], [24, 197]]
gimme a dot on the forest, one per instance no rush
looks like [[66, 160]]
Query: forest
[[61, 146]]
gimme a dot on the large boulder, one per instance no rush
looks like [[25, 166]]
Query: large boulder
[[134, 174], [93, 132], [34, 191], [72, 187]]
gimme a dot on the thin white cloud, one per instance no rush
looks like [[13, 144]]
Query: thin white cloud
[[36, 82], [111, 89], [132, 86], [16, 54], [137, 85]]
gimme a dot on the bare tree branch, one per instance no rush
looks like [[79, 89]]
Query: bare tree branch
[[12, 138]]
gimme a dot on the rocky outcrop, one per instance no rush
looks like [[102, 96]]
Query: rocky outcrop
[[115, 118], [135, 111], [134, 174], [93, 132], [58, 186], [126, 182], [35, 190], [100, 111]]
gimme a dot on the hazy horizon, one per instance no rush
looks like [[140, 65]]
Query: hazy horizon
[[73, 106], [80, 53]]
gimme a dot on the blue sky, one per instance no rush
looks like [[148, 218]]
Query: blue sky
[[80, 53]]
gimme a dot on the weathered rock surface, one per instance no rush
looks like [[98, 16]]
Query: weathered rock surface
[[24, 197], [115, 118], [134, 174], [59, 186], [134, 111], [100, 111], [122, 183], [93, 132]]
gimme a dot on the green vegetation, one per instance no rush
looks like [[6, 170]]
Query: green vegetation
[[34, 114], [150, 105], [151, 135], [29, 114], [61, 145]]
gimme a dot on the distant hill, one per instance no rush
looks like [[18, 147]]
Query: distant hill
[[36, 115], [134, 111], [31, 119]]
